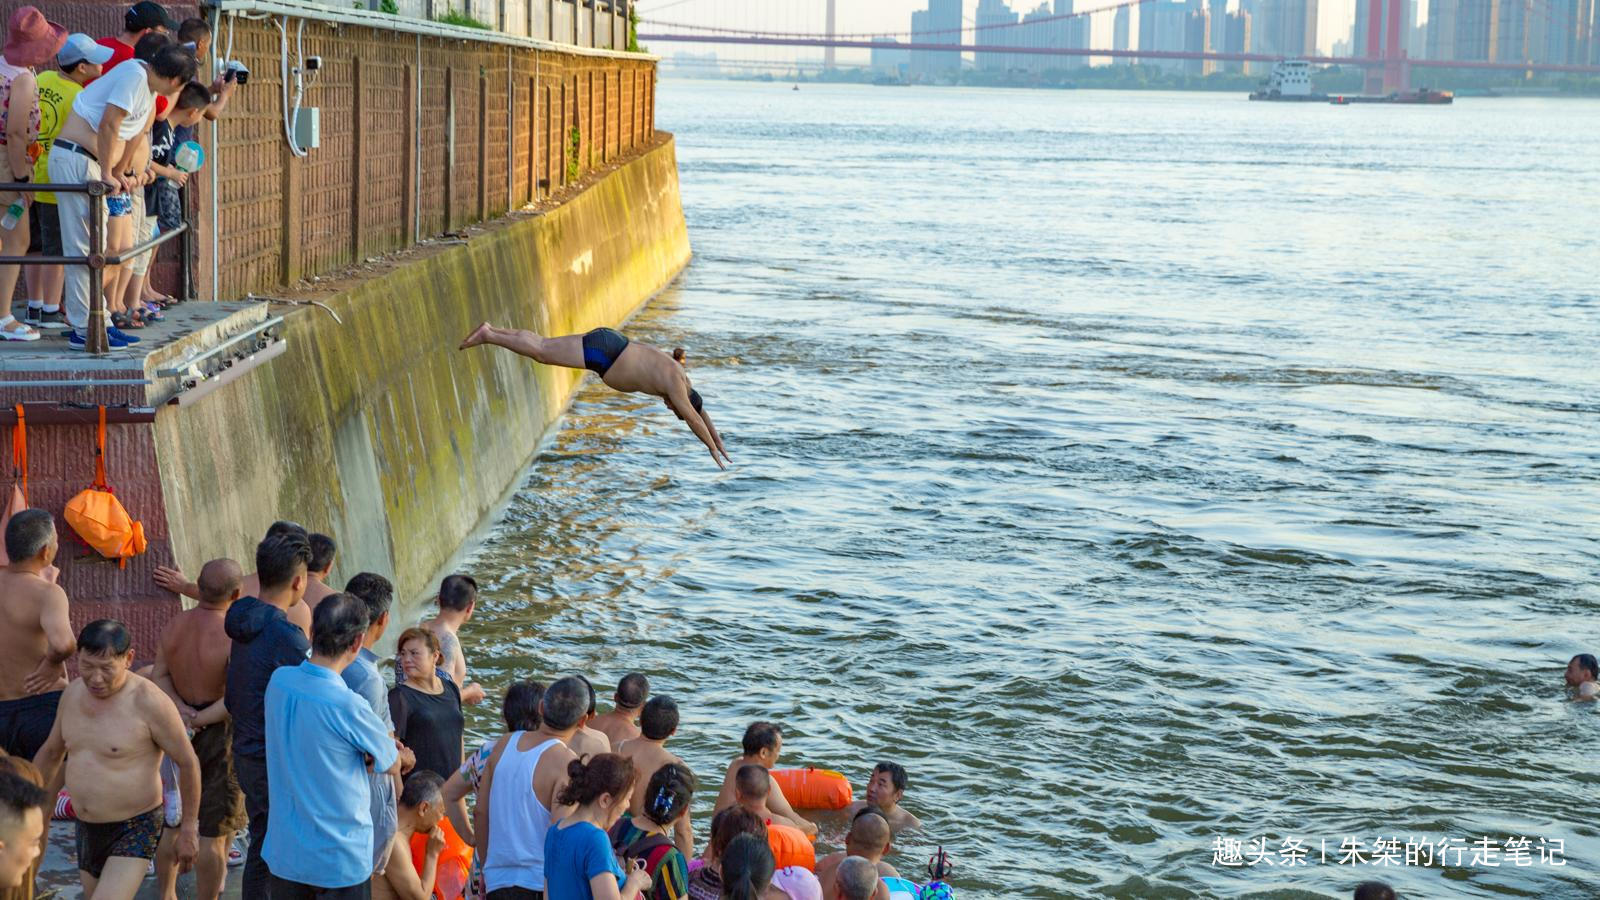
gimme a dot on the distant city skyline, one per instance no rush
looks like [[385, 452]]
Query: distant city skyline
[[1335, 18]]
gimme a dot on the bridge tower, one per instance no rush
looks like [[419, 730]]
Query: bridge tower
[[827, 54], [1384, 41]]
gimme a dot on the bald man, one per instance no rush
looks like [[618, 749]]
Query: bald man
[[192, 668], [855, 879], [624, 365], [751, 788], [868, 839]]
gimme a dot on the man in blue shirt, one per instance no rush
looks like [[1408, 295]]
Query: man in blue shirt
[[322, 741]]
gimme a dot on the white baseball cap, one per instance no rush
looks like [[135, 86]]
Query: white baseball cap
[[80, 47]]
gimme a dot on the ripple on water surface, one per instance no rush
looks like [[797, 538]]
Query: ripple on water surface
[[1167, 470]]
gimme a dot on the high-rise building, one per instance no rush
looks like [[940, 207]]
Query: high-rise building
[[1286, 28], [1235, 39], [940, 23], [1164, 26], [1219, 22], [1441, 29], [1120, 23], [1197, 39], [1477, 24], [992, 20]]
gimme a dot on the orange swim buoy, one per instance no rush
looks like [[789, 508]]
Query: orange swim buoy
[[455, 863], [814, 788], [791, 847]]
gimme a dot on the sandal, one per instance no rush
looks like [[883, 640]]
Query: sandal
[[126, 321], [152, 313], [12, 330]]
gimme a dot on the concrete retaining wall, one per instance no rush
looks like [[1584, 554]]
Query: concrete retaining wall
[[378, 430]]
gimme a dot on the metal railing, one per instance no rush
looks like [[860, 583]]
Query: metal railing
[[97, 260]]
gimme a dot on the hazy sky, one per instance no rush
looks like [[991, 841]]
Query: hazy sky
[[1334, 16]]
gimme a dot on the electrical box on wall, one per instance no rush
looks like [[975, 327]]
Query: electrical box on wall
[[308, 128]]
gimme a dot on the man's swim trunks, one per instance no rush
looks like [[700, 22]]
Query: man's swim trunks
[[25, 723], [221, 801], [601, 347], [694, 400], [136, 838]]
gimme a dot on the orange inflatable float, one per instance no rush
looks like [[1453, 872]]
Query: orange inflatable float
[[791, 847], [455, 863], [813, 788]]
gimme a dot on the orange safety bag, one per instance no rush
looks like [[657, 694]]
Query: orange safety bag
[[455, 862], [813, 788], [97, 515], [791, 847]]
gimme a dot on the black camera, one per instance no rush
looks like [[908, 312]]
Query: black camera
[[235, 71]]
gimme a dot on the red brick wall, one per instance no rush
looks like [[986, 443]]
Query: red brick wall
[[283, 218]]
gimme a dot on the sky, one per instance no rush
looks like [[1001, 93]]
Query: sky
[[1334, 19]]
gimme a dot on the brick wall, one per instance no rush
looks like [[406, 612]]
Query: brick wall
[[420, 136]]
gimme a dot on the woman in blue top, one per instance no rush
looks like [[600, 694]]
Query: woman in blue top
[[578, 861]]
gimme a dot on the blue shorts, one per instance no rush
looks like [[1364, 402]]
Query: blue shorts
[[119, 205]]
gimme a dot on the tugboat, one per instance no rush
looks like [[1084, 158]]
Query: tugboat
[[1289, 82]]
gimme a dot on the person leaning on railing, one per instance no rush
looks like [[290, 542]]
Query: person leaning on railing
[[79, 62], [110, 121], [31, 41]]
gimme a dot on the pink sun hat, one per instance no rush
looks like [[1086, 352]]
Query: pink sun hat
[[31, 39]]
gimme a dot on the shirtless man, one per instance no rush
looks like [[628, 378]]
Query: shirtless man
[[763, 742], [869, 838], [300, 614], [112, 728], [192, 668], [1583, 676], [624, 365], [586, 741], [510, 821], [622, 722], [884, 792], [421, 809], [752, 787], [458, 596], [648, 753], [35, 635]]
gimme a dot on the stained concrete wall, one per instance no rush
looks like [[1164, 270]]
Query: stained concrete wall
[[382, 433]]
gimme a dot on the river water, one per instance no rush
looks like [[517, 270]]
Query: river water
[[1143, 471]]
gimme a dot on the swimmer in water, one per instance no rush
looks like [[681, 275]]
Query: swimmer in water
[[884, 792], [624, 365], [1583, 675]]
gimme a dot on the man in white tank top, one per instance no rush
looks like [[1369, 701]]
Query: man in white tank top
[[511, 820]]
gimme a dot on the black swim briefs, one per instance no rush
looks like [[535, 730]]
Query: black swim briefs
[[135, 838], [25, 723], [601, 347]]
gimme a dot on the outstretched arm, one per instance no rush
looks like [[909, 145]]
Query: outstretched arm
[[779, 804], [715, 435], [678, 401]]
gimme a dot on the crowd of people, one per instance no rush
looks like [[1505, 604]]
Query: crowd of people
[[266, 713], [75, 110]]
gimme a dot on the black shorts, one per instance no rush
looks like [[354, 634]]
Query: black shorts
[[601, 347], [135, 838], [44, 229], [25, 723], [221, 801], [516, 893]]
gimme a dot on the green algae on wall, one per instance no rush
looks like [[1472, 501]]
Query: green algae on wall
[[382, 433]]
